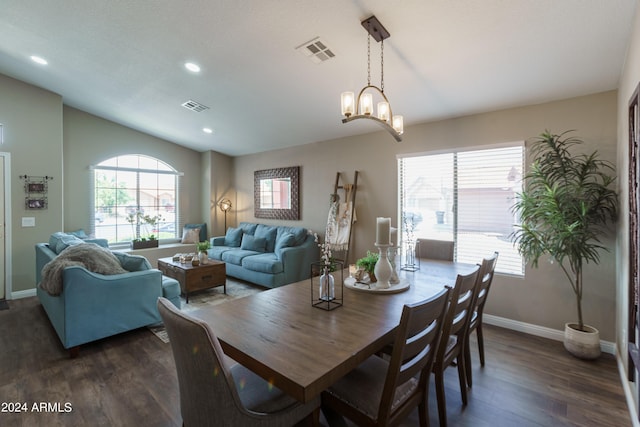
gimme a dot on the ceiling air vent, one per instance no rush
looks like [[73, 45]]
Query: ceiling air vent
[[194, 106], [316, 50]]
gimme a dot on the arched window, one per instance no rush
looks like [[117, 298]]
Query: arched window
[[135, 196]]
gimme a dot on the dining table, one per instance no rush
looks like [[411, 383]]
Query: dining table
[[301, 349]]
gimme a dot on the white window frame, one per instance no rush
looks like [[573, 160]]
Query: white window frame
[[516, 263], [171, 171]]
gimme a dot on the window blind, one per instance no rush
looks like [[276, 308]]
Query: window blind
[[464, 196]]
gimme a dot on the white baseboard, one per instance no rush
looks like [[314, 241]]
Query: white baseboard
[[23, 294], [628, 393], [540, 331]]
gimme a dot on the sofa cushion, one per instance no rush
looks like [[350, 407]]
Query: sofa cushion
[[80, 234], [202, 233], [235, 256], [233, 237], [269, 233], [299, 234], [215, 252], [248, 227], [132, 262], [284, 240], [60, 241], [253, 243], [263, 263]]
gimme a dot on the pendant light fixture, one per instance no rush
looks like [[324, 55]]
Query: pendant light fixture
[[362, 106]]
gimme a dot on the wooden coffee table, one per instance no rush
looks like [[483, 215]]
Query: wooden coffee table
[[195, 278]]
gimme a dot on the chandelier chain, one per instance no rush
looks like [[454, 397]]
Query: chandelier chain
[[382, 66], [369, 60]]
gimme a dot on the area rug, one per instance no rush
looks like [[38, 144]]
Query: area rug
[[210, 297]]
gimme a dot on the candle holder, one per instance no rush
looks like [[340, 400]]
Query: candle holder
[[327, 284], [383, 269], [392, 253]]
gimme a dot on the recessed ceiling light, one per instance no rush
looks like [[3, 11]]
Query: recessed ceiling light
[[207, 130], [39, 60], [194, 68]]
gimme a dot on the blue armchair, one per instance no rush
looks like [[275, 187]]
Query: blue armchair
[[92, 306]]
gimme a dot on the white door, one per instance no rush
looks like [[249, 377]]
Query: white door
[[2, 231]]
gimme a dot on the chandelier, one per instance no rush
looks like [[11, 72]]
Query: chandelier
[[362, 106]]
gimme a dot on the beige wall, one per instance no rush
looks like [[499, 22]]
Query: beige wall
[[32, 120], [88, 140], [217, 174], [543, 297], [630, 78], [35, 121]]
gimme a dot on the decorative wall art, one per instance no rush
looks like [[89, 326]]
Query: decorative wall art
[[35, 189], [276, 193]]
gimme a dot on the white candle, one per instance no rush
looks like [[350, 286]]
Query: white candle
[[394, 236], [383, 230]]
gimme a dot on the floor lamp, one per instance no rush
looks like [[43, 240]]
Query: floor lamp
[[225, 205]]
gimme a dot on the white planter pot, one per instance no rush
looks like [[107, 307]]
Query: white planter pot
[[582, 344]]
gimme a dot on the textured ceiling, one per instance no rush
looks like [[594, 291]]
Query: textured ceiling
[[123, 60]]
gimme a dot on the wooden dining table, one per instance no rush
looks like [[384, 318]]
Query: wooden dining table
[[302, 349]]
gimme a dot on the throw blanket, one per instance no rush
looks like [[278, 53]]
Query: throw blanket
[[93, 257]]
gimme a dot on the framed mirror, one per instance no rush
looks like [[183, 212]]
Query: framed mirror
[[275, 193]]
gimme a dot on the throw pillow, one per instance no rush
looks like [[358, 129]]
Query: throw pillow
[[80, 234], [132, 262], [190, 235], [233, 237], [251, 243], [285, 240], [60, 241], [269, 233], [203, 230]]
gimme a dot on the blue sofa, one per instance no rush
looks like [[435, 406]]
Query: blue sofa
[[92, 306], [269, 256]]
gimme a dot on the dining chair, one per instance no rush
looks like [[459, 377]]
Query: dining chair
[[452, 341], [382, 392], [214, 393], [485, 277], [436, 249]]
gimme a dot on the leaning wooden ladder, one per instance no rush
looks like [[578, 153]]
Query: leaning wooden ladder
[[349, 191]]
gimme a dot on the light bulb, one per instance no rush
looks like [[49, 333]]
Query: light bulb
[[366, 104], [347, 103], [398, 124], [383, 111]]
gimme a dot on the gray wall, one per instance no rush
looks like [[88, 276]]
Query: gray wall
[[32, 120], [35, 122], [543, 297], [88, 140]]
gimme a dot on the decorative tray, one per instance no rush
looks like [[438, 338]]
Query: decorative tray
[[366, 286]]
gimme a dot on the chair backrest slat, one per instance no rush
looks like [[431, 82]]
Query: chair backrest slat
[[414, 349], [458, 314], [487, 271]]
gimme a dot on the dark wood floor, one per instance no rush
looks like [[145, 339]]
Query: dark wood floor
[[130, 380]]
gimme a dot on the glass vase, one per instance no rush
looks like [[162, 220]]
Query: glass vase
[[327, 286]]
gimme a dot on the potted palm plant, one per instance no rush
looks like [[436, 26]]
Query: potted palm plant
[[565, 207]]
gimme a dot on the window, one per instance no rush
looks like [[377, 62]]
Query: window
[[129, 186], [275, 193], [464, 196]]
